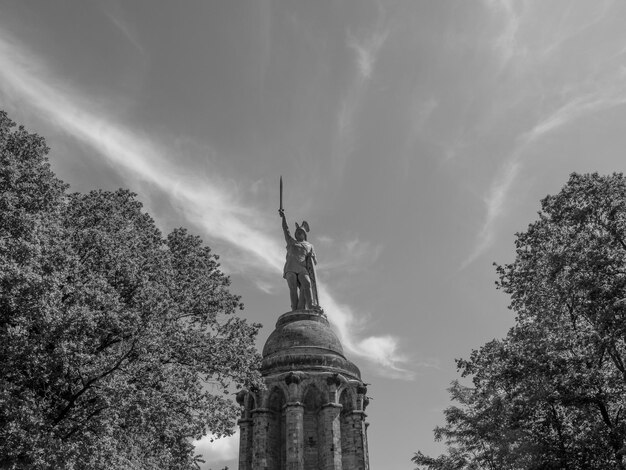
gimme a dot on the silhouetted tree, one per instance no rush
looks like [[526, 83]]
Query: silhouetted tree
[[551, 395], [118, 345]]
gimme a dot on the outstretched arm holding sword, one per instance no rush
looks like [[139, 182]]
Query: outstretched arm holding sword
[[299, 271]]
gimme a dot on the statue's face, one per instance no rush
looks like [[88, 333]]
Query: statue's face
[[300, 235]]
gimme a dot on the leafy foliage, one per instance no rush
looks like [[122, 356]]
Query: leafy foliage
[[551, 394], [118, 345]]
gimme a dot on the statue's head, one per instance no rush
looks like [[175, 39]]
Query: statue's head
[[301, 231], [300, 234]]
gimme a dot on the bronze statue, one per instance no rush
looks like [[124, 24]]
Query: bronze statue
[[299, 270]]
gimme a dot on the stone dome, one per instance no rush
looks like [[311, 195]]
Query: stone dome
[[303, 340]]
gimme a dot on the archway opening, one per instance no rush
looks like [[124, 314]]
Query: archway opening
[[276, 438], [311, 426]]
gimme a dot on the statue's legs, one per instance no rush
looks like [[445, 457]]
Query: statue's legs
[[292, 282], [305, 300]]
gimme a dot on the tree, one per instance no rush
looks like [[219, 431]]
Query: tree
[[118, 345], [559, 376]]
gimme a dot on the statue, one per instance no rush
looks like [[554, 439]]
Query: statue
[[299, 270]]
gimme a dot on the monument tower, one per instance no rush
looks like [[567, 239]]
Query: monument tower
[[311, 416]]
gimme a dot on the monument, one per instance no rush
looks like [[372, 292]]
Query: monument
[[311, 415]]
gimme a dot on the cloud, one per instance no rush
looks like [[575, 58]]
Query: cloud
[[494, 203], [507, 44], [382, 350], [349, 256], [604, 95], [608, 95], [125, 29], [367, 50], [209, 204], [325, 240], [557, 85], [589, 19], [533, 31], [214, 450], [264, 286]]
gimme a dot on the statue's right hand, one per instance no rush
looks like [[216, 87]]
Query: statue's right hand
[[281, 212]]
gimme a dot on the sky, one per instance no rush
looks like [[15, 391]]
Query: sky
[[415, 137]]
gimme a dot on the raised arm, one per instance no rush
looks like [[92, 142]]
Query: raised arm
[[288, 237]]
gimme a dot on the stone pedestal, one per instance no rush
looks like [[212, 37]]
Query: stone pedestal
[[312, 389]]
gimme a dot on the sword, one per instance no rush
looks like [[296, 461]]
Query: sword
[[281, 193]]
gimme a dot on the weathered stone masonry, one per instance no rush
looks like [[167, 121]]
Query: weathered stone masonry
[[312, 414]]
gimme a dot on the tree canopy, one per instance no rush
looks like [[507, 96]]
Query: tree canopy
[[118, 345], [551, 394]]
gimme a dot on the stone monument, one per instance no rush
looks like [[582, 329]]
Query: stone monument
[[311, 415]]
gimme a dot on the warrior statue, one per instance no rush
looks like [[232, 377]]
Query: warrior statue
[[300, 264]]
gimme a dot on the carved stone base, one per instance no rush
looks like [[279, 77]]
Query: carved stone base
[[312, 413], [304, 420]]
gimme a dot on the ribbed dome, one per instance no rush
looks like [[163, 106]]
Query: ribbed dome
[[303, 340]]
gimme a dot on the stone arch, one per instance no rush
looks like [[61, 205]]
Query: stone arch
[[347, 401], [247, 400], [276, 438], [347, 397], [312, 402]]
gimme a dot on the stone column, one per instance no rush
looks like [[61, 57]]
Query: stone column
[[294, 412], [260, 427], [245, 444], [366, 453], [330, 437], [360, 440]]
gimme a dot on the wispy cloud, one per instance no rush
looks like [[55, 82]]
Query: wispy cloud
[[494, 204], [349, 256], [520, 20], [382, 350], [557, 84], [205, 203], [367, 49], [209, 204], [608, 95], [125, 29], [604, 95], [562, 33], [264, 286], [507, 44]]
